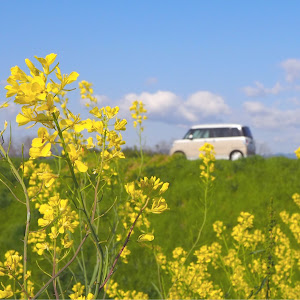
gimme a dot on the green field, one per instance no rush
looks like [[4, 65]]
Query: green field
[[244, 185]]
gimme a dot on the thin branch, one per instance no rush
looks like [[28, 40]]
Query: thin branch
[[12, 192], [123, 247], [106, 210], [62, 269]]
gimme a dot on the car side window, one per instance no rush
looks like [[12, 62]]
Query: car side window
[[205, 133], [201, 133], [235, 132], [198, 134], [220, 132]]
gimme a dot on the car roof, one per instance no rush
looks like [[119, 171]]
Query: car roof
[[216, 125]]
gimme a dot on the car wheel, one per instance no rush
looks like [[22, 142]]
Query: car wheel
[[235, 155], [179, 154]]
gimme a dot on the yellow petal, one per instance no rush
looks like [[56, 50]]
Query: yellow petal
[[37, 142], [81, 166], [79, 127], [49, 182], [159, 205], [72, 77], [46, 150], [147, 237], [31, 67], [41, 60], [129, 187], [164, 187], [22, 120], [50, 58]]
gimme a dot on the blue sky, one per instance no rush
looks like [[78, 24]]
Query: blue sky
[[191, 62]]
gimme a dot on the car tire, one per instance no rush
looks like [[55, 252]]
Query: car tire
[[179, 154], [235, 155]]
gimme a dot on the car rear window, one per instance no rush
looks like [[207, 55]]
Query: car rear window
[[247, 132]]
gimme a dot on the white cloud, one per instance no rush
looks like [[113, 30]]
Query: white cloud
[[292, 69], [161, 103], [203, 104], [168, 107], [271, 117], [254, 107], [259, 90]]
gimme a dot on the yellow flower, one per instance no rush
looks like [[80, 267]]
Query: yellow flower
[[110, 112], [159, 205], [138, 111], [6, 292], [146, 237], [296, 198], [46, 62], [207, 166], [297, 152], [90, 143], [86, 92], [48, 178], [41, 146], [219, 227], [75, 158], [78, 289], [120, 125]]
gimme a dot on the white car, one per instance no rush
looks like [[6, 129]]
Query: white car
[[231, 141]]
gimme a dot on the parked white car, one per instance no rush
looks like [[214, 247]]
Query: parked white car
[[231, 141]]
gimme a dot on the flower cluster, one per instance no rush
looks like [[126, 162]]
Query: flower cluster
[[241, 263], [34, 93], [86, 92], [242, 234], [191, 281], [78, 290], [42, 100], [219, 227], [58, 219], [12, 267], [145, 196], [114, 292], [138, 110], [207, 166]]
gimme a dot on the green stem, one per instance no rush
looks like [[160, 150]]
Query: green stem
[[94, 276], [94, 211], [60, 288], [54, 269], [141, 152], [82, 256], [71, 168]]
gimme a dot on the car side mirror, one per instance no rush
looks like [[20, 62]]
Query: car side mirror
[[190, 137]]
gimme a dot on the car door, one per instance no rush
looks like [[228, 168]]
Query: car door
[[198, 139], [219, 138]]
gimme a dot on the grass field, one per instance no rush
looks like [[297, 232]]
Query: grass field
[[244, 185]]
